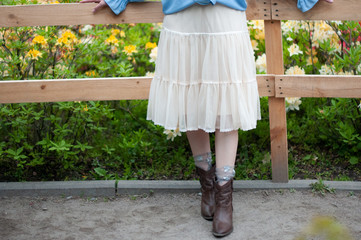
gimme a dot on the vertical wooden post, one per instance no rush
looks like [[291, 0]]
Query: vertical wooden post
[[277, 110]]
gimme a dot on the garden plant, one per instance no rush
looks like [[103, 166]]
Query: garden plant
[[113, 140]]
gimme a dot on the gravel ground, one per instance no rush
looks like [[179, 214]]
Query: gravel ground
[[258, 214]]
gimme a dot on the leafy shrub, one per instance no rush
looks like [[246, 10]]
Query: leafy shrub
[[112, 140]]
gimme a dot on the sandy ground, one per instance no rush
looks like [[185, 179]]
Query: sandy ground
[[257, 215]]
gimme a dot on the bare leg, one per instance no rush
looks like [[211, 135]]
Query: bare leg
[[199, 142], [226, 150]]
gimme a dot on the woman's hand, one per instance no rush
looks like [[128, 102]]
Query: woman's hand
[[101, 4]]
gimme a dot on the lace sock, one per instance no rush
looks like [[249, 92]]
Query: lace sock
[[204, 161], [224, 174]]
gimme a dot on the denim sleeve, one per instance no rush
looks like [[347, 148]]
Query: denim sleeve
[[119, 6], [305, 5]]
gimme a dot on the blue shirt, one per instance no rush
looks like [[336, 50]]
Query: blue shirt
[[173, 6]]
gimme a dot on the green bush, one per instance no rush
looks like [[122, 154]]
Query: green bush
[[113, 140]]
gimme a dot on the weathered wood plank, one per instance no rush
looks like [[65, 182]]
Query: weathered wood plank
[[277, 110], [339, 10], [78, 14], [259, 10], [91, 89], [318, 86], [74, 90]]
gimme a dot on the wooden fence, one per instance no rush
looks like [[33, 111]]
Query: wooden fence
[[275, 85]]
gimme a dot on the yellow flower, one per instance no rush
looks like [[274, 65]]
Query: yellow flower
[[111, 40], [39, 40], [55, 2], [34, 54], [122, 34], [129, 50], [90, 73], [86, 108], [150, 45], [311, 61], [68, 34], [260, 35], [67, 38], [115, 31], [314, 52], [254, 45], [62, 40]]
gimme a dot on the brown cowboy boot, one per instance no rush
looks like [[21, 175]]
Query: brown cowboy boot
[[208, 203], [222, 220]]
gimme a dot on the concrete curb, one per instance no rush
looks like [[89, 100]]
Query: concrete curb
[[108, 188], [69, 188]]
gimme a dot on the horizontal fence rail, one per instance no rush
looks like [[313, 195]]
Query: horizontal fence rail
[[81, 13], [92, 89], [339, 10], [275, 85], [318, 86]]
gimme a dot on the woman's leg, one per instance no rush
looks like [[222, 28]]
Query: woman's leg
[[201, 149], [226, 150]]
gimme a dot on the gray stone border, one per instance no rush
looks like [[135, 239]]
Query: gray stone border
[[109, 188]]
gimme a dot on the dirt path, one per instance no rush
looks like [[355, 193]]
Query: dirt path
[[257, 215]]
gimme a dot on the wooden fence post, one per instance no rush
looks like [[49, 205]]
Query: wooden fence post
[[277, 110]]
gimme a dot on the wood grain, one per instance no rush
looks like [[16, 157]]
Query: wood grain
[[277, 110], [339, 10], [318, 86], [78, 14], [92, 89]]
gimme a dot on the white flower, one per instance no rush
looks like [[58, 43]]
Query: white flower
[[149, 74], [153, 54], [87, 40], [293, 103], [296, 70], [261, 63], [359, 106], [86, 28], [326, 70], [289, 39], [290, 26], [257, 24], [337, 22], [171, 134], [294, 49], [359, 68], [345, 73]]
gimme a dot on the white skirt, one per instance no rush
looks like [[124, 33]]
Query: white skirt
[[205, 75]]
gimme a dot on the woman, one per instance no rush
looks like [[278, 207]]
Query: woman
[[205, 81]]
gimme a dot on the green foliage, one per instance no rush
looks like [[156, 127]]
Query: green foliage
[[113, 140], [321, 187]]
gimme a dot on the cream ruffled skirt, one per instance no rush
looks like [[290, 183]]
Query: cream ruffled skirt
[[205, 75]]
